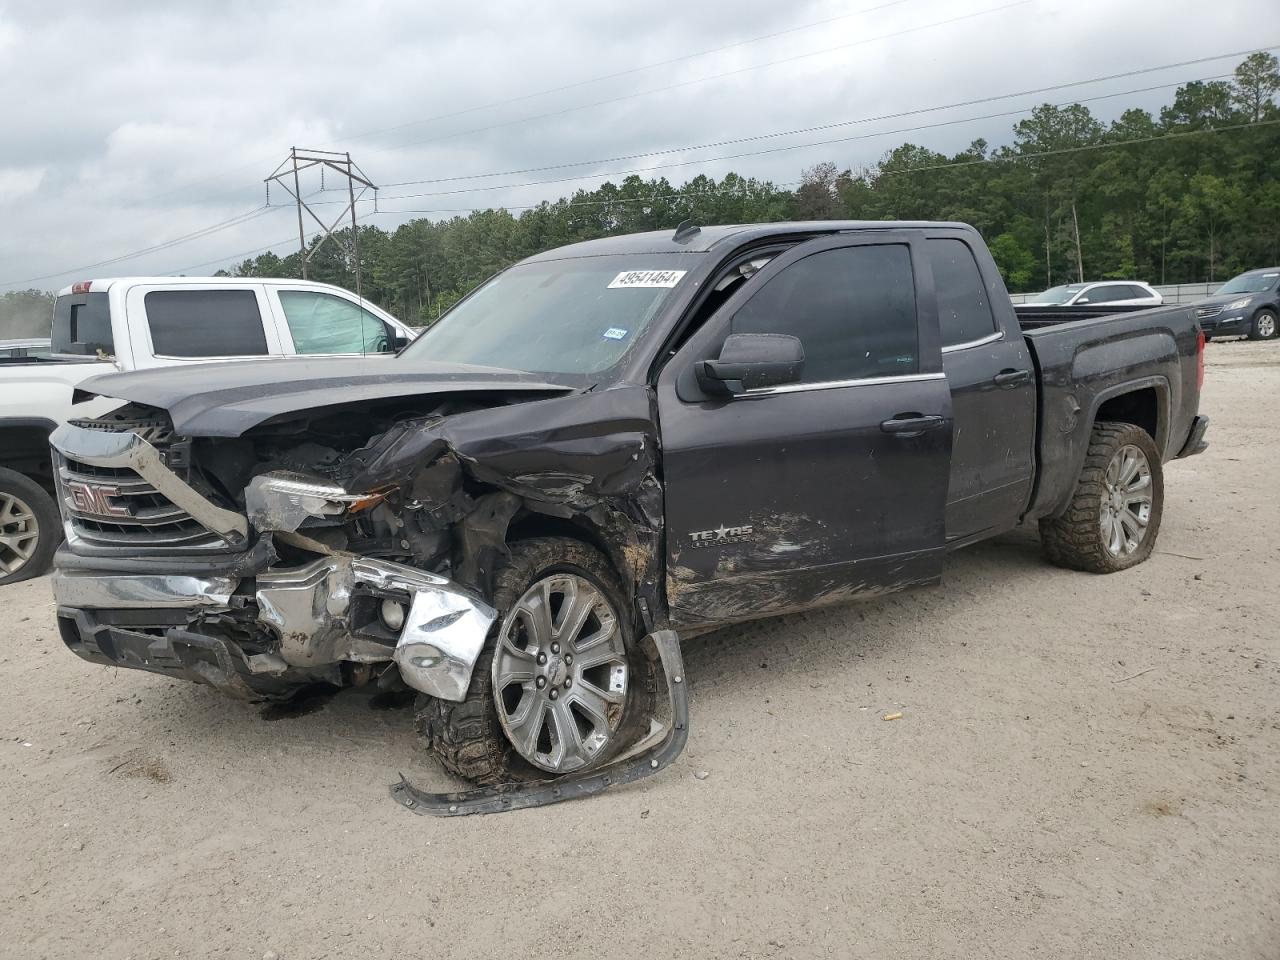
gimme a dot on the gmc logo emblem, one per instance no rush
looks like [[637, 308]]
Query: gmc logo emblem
[[94, 499]]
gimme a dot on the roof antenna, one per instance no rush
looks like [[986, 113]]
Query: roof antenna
[[686, 231]]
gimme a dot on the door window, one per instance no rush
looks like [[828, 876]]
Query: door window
[[1108, 294], [964, 312], [853, 308], [205, 323], [323, 323]]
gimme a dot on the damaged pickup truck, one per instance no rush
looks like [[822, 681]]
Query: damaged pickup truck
[[648, 435]]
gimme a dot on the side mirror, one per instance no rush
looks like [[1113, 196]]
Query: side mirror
[[399, 342], [1083, 300], [750, 361]]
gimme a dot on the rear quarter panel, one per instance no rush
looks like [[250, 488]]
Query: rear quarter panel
[[1083, 364]]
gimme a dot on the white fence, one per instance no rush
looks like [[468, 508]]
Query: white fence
[[1172, 293]]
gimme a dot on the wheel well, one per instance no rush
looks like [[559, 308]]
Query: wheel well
[[529, 525], [1140, 408], [26, 450]]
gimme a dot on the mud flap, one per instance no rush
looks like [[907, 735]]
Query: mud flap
[[653, 753]]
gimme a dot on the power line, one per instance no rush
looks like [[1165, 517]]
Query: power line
[[247, 253], [840, 123], [697, 80], [1008, 158], [252, 214], [156, 248], [623, 73], [1104, 145], [845, 46], [229, 257], [770, 150], [1004, 158], [568, 86]]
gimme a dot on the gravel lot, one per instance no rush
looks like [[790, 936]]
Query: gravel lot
[[1085, 767]]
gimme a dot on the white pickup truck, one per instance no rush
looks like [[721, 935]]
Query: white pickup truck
[[134, 323]]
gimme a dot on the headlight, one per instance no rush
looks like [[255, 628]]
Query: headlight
[[283, 499], [1238, 304]]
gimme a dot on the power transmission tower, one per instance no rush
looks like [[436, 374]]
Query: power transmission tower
[[342, 164]]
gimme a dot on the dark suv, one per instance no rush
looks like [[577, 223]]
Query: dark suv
[[1245, 306]]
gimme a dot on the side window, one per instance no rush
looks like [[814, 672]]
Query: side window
[[1106, 294], [205, 323], [1137, 293], [964, 313], [853, 308], [323, 323], [82, 328]]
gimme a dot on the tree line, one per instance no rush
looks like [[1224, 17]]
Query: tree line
[[1189, 195]]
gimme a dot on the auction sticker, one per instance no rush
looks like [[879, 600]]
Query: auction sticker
[[646, 278]]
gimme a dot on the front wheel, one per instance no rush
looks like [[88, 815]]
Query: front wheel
[[1113, 518], [1264, 325], [30, 528], [561, 686]]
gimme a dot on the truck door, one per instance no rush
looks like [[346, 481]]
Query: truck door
[[826, 489], [993, 396]]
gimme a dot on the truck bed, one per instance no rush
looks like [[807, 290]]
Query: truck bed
[[1083, 362], [1033, 318]]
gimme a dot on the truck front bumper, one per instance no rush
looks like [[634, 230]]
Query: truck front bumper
[[254, 636]]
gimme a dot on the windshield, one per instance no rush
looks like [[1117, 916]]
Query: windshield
[[575, 317], [1249, 283], [1058, 294]]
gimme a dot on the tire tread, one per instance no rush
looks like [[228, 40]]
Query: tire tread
[[1074, 539]]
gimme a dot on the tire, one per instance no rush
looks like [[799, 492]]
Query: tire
[[467, 736], [1081, 538], [1264, 326], [25, 508]]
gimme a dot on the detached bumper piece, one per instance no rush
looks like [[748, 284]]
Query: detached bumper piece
[[657, 751]]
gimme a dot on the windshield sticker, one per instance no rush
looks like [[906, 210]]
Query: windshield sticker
[[1271, 274], [615, 333], [646, 278]]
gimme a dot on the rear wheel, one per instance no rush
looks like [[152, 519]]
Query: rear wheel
[[561, 686], [30, 528], [1113, 519], [1264, 325]]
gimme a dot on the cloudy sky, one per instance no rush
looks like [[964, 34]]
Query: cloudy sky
[[129, 125]]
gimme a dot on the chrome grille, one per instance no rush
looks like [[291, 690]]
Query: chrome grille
[[115, 507], [1204, 313]]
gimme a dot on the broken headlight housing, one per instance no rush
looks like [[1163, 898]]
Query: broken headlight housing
[[282, 500]]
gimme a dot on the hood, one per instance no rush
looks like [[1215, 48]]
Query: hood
[[226, 399], [1223, 299]]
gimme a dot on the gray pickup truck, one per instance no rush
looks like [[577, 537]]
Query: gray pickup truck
[[631, 436]]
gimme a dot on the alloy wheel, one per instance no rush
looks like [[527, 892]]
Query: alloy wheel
[[19, 534], [1126, 504], [560, 673]]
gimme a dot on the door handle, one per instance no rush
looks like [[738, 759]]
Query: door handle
[[911, 424], [1009, 378]]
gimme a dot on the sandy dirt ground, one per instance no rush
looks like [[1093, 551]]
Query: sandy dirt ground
[[1085, 767]]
